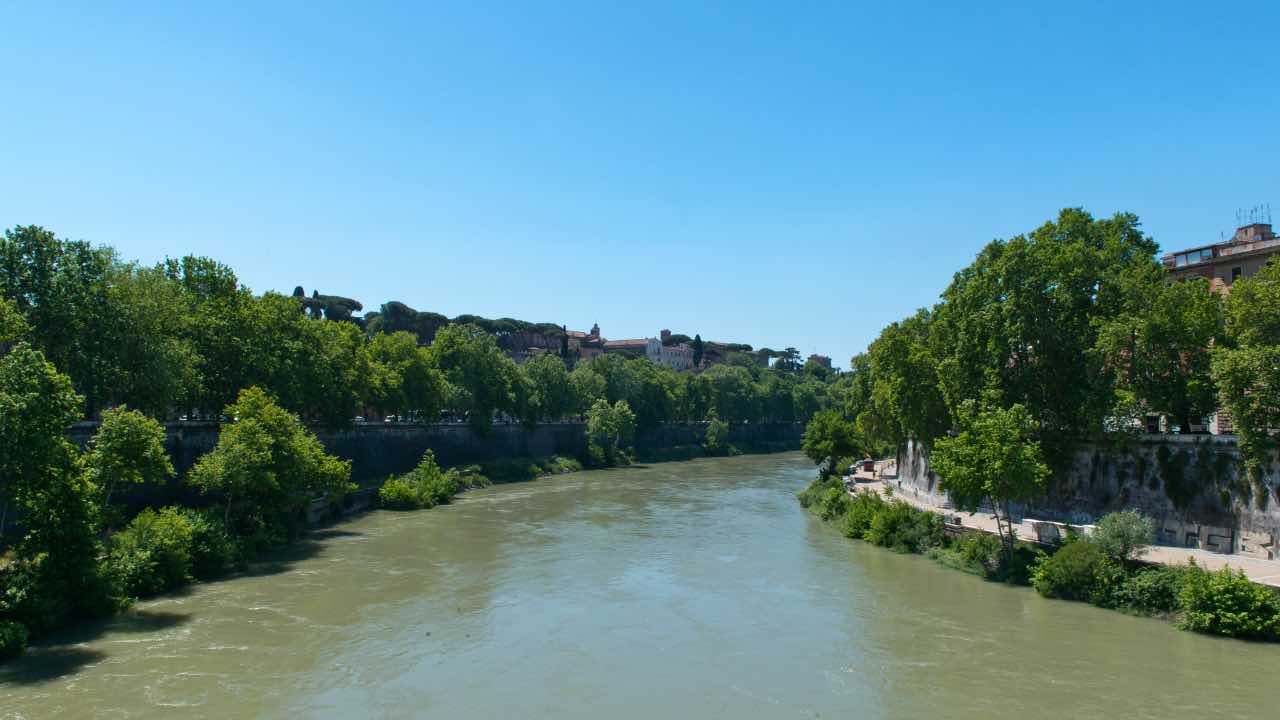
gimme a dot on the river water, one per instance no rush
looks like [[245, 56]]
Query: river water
[[695, 589]]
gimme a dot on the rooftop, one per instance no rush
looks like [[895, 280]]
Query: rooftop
[[1248, 239]]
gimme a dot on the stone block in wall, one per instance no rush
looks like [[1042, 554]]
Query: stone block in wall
[[1217, 539], [1257, 544], [1048, 532]]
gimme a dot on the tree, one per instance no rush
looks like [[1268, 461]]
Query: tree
[[716, 441], [609, 431], [788, 361], [588, 386], [401, 378], [37, 407], [828, 438], [1246, 366], [698, 349], [478, 371], [732, 393], [1021, 319], [60, 287], [993, 459], [12, 325], [158, 360], [127, 449], [1159, 349], [267, 466], [551, 390], [1122, 535], [653, 395], [906, 400], [38, 466]]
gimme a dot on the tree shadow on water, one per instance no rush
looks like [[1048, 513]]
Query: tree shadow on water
[[43, 664], [285, 558], [63, 652]]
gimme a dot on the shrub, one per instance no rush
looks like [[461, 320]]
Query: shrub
[[214, 549], [717, 438], [423, 487], [813, 494], [153, 554], [13, 639], [861, 512], [1152, 590], [1072, 573], [399, 493], [899, 526], [982, 551], [835, 502], [1227, 603], [35, 594], [559, 464], [512, 469], [1121, 535]]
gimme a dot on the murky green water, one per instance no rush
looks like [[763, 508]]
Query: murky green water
[[678, 590]]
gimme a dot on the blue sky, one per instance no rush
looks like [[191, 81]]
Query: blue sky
[[772, 173]]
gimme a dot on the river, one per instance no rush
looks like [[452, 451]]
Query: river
[[693, 589]]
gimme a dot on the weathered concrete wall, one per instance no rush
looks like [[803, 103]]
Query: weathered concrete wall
[[1192, 485]]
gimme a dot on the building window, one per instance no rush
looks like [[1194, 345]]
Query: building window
[[1194, 256], [1235, 274]]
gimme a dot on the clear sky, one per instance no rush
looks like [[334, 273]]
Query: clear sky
[[773, 173]]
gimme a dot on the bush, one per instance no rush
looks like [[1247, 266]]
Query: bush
[[153, 554], [214, 550], [1153, 590], [13, 639], [982, 551], [1072, 573], [559, 465], [717, 438], [1227, 603], [399, 493], [512, 469], [1121, 535], [813, 494], [900, 526], [835, 502], [423, 487], [862, 511]]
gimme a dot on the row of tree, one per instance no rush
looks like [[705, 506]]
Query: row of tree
[[1068, 333], [185, 337]]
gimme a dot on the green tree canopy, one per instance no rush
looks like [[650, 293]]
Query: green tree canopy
[[127, 449], [609, 432], [993, 459], [830, 437], [267, 466], [1158, 348], [480, 374]]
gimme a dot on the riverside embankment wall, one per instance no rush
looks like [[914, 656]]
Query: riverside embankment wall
[[379, 450], [1192, 485]]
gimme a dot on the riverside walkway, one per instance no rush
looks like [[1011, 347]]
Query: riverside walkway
[[1263, 572]]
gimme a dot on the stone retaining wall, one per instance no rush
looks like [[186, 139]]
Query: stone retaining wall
[[1191, 485]]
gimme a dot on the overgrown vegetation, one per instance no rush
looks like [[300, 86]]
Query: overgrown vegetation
[[1099, 570]]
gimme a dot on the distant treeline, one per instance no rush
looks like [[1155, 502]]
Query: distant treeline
[[185, 337]]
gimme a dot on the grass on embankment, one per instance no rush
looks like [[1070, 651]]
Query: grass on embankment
[[1216, 603]]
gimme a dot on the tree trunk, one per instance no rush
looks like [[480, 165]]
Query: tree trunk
[[226, 514], [1008, 518], [4, 516]]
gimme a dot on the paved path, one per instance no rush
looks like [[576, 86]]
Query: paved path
[[1265, 572]]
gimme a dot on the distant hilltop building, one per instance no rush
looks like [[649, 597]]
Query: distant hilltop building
[[822, 360], [678, 356], [1225, 262]]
